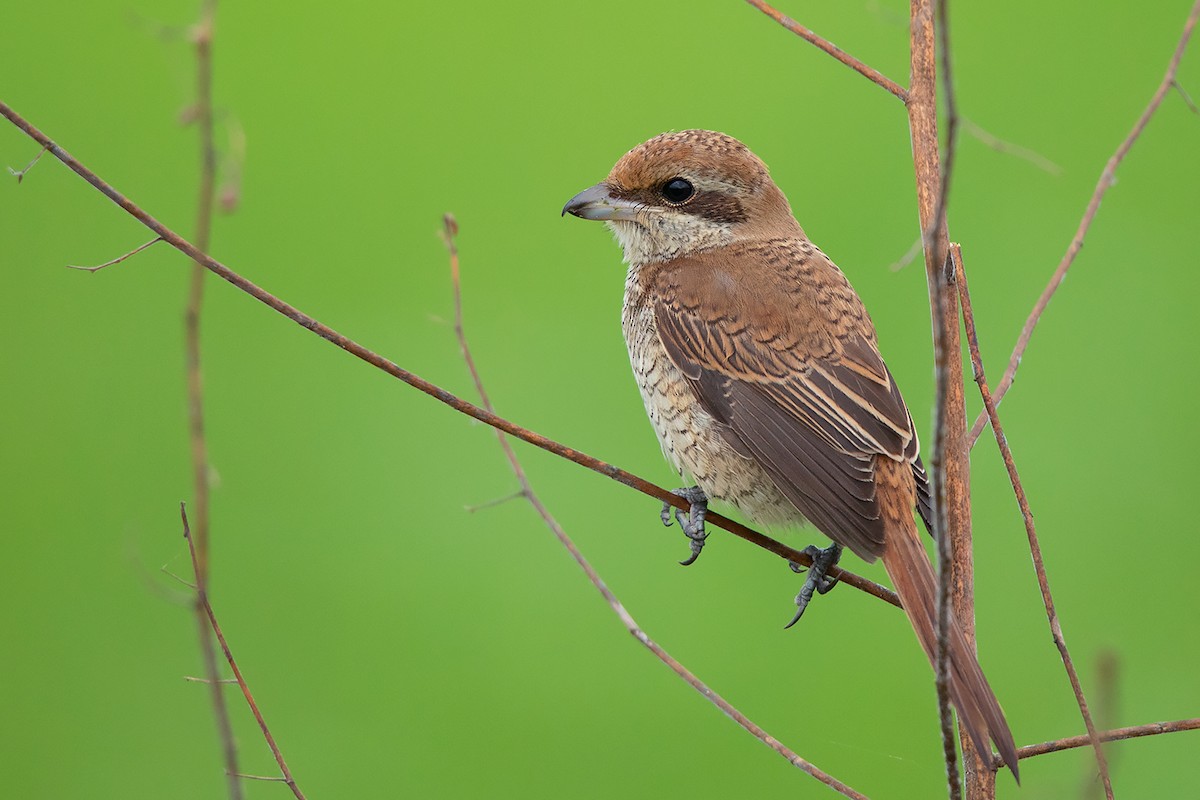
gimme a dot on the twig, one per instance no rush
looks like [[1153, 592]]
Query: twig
[[20, 174], [202, 599], [909, 256], [202, 34], [873, 75], [118, 259], [1008, 148], [1115, 735], [450, 231], [1107, 178], [1187, 98], [1035, 548], [415, 381]]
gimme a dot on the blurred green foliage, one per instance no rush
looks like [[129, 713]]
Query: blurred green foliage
[[402, 646]]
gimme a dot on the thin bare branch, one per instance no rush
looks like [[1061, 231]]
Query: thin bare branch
[[1008, 148], [19, 174], [1107, 179], [118, 259], [1187, 98], [909, 256], [450, 231], [499, 501], [873, 75], [345, 343], [202, 597], [1115, 735], [1035, 548]]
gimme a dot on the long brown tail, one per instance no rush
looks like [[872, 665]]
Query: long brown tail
[[912, 574]]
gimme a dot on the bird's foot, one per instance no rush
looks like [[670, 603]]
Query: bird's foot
[[692, 522], [817, 581]]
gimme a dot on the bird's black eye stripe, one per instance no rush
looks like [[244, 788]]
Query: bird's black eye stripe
[[678, 190]]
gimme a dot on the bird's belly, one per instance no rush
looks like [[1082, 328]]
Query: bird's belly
[[691, 438]]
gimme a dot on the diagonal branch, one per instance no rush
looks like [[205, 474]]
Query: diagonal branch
[[451, 230], [1035, 548], [419, 383], [205, 606], [871, 74], [1107, 179]]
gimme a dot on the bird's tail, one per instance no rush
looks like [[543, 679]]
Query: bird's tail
[[912, 574]]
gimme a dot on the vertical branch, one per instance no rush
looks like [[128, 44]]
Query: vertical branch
[[202, 39], [950, 467]]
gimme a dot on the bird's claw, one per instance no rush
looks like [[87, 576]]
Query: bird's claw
[[817, 581], [691, 522]]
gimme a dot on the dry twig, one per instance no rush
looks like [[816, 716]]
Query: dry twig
[[1107, 179], [204, 604], [873, 75], [118, 259], [526, 491]]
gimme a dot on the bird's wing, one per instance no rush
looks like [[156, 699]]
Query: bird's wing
[[778, 348]]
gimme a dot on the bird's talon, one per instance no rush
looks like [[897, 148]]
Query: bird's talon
[[817, 581]]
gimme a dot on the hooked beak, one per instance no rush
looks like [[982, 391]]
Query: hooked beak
[[598, 203]]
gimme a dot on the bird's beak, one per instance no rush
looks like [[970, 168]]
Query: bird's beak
[[598, 202]]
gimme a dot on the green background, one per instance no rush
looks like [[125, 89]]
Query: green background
[[402, 646]]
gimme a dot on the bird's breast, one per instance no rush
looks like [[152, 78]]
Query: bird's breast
[[690, 437]]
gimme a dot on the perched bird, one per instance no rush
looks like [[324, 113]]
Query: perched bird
[[759, 369]]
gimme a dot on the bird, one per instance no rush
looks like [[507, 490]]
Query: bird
[[760, 371]]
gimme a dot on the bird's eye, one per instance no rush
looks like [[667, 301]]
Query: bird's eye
[[677, 190]]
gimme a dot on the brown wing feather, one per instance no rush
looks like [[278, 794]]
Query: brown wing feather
[[794, 377]]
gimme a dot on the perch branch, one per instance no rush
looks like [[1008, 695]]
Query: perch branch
[[391, 368]]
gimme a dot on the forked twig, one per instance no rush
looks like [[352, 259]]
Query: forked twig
[[202, 600], [450, 230], [19, 174], [1107, 178]]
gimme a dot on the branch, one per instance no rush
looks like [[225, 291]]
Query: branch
[[1107, 179], [1035, 548], [949, 467], [450, 231], [438, 393], [202, 38], [873, 75], [203, 603], [1115, 735]]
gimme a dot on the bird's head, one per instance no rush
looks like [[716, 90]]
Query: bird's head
[[683, 192]]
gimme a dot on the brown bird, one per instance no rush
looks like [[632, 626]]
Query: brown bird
[[760, 372]]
